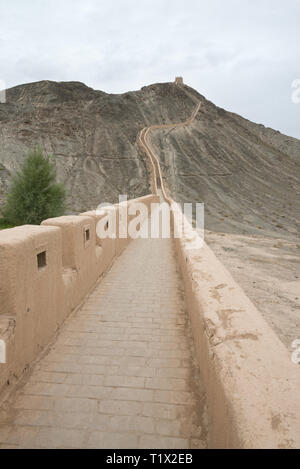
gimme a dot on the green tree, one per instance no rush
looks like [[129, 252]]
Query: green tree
[[34, 194]]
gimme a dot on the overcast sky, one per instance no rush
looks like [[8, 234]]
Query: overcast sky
[[241, 54]]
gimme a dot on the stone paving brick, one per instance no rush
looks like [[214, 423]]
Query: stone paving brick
[[164, 411], [59, 438], [139, 395], [172, 384], [7, 446], [183, 373], [137, 424], [112, 440], [125, 381], [169, 428], [90, 392], [34, 403], [45, 389], [121, 373], [46, 418], [174, 397], [17, 435], [73, 404], [49, 377], [159, 442], [145, 372], [120, 407], [63, 367]]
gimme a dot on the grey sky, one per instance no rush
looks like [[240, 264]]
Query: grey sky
[[241, 54]]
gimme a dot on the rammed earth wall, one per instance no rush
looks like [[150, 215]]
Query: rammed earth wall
[[45, 273]]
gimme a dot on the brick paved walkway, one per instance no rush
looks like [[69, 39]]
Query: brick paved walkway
[[121, 373]]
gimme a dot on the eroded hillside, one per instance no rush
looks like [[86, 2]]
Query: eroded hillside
[[93, 135]]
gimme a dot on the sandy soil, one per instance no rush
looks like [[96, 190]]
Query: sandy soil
[[268, 270]]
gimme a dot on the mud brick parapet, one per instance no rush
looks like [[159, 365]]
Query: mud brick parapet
[[45, 273], [252, 386]]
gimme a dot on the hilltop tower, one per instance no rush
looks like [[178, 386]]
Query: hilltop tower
[[179, 81]]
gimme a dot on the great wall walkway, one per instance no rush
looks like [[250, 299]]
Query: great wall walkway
[[121, 373]]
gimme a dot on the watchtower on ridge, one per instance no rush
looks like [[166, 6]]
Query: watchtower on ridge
[[179, 81]]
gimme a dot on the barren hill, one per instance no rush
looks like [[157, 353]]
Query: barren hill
[[93, 135], [247, 175]]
